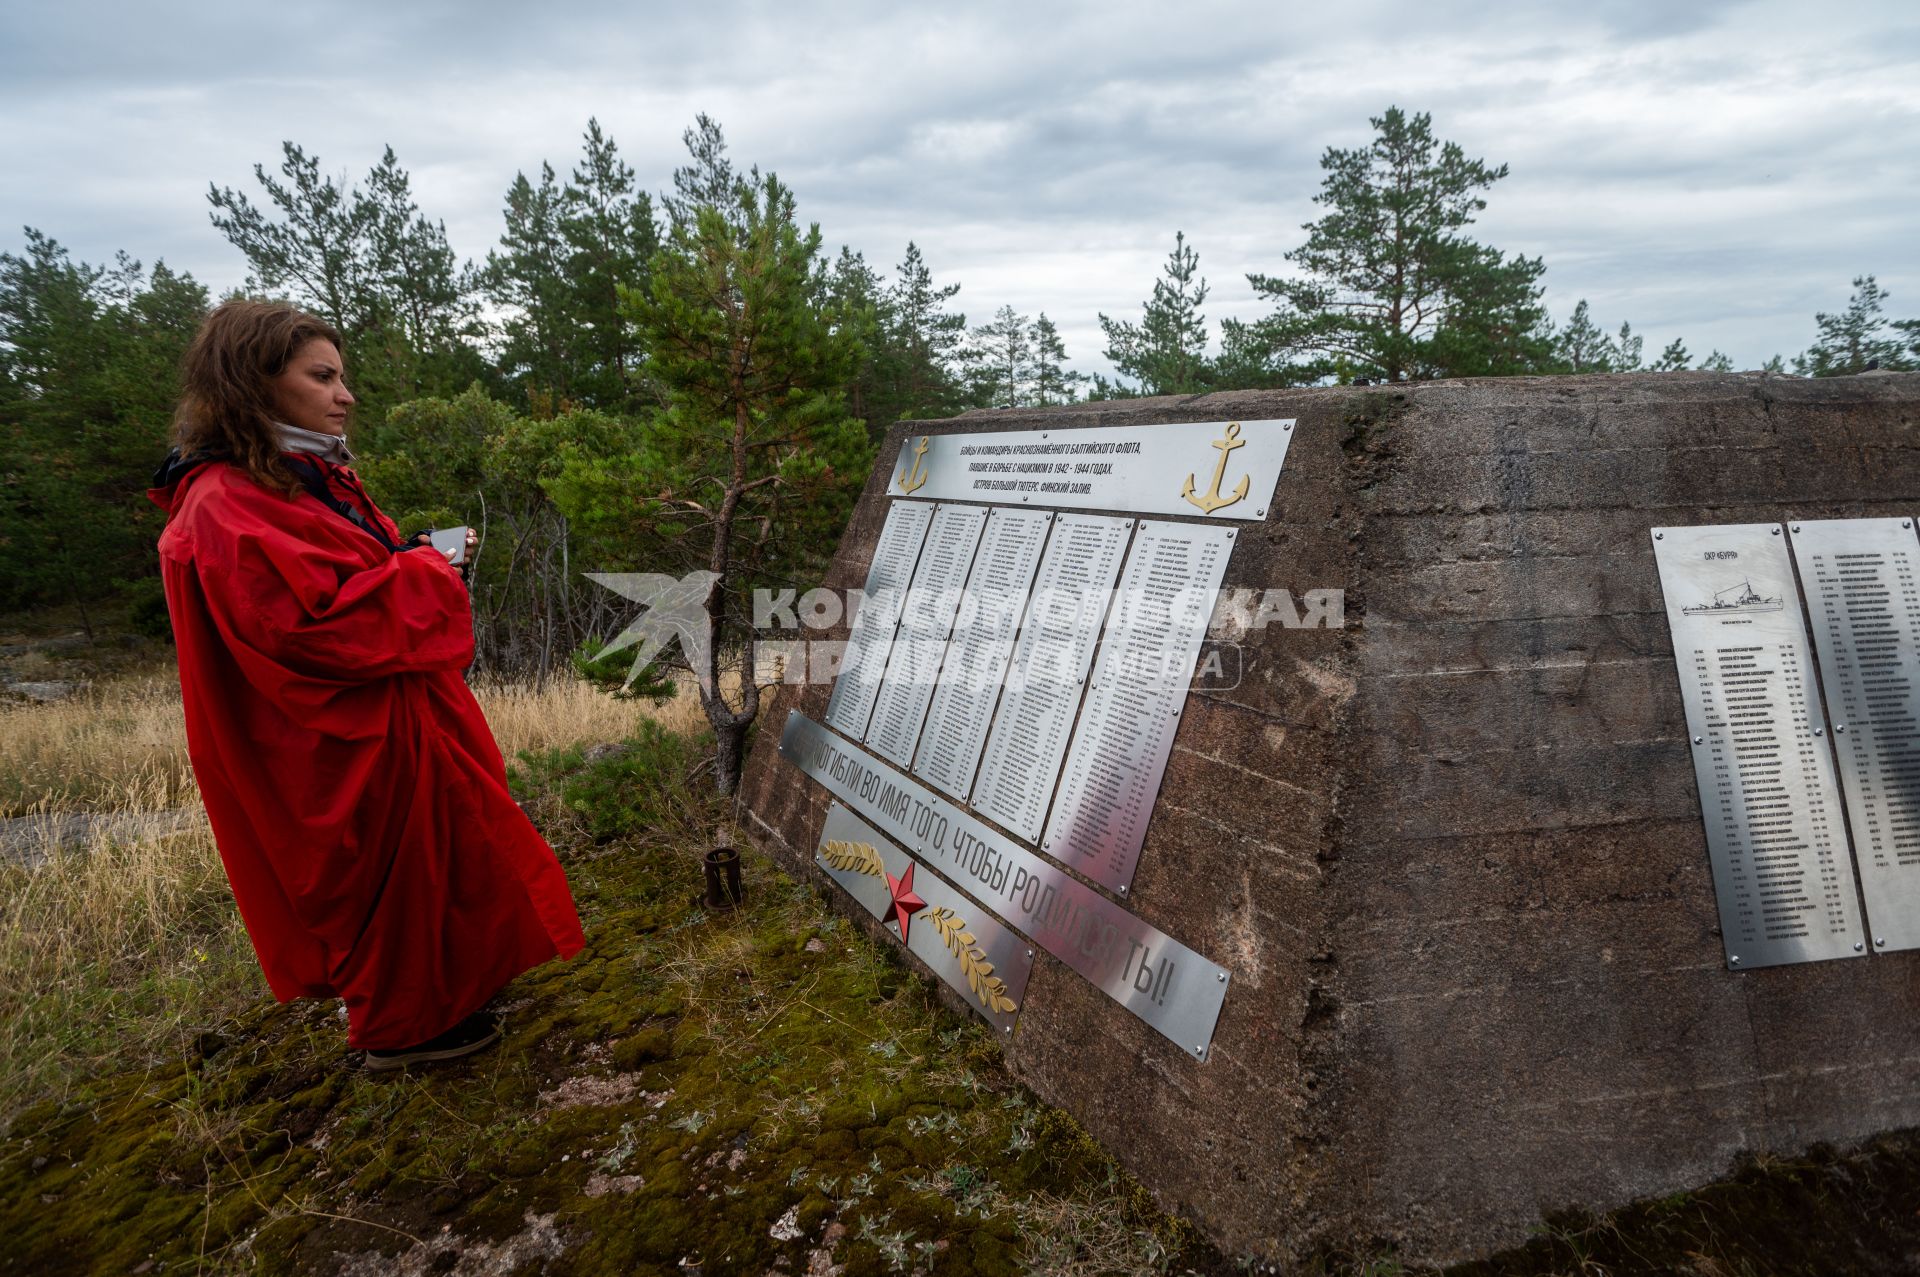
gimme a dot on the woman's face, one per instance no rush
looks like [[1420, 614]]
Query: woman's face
[[310, 393]]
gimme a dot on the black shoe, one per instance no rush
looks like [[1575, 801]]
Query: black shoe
[[475, 1033]]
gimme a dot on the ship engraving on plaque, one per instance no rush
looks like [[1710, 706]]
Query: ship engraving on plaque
[[1783, 879], [1140, 680], [1860, 581], [1071, 593], [981, 646], [926, 618], [871, 635]]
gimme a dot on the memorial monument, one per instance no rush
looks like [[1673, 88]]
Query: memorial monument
[[1382, 815]]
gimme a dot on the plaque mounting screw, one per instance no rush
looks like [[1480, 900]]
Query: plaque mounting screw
[[1839, 727], [1123, 890], [1906, 523], [1733, 959], [1699, 740], [1287, 426], [1029, 953], [1659, 536], [1223, 977], [1796, 527], [1776, 532], [1879, 942], [1819, 731], [1857, 946]]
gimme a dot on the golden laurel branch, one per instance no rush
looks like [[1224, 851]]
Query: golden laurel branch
[[986, 986], [857, 856]]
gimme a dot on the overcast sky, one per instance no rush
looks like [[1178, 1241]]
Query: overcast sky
[[1712, 171]]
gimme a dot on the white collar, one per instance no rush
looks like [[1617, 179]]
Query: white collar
[[327, 447]]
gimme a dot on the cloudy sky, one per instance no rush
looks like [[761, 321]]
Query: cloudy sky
[[1716, 171]]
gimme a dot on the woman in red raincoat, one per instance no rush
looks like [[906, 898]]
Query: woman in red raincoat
[[354, 789]]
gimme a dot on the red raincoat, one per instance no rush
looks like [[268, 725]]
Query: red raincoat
[[355, 792]]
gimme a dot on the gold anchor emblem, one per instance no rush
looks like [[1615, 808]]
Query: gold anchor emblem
[[914, 477], [1213, 500]]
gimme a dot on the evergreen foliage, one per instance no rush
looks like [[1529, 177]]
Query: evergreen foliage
[[87, 365], [755, 461], [639, 382], [1856, 340], [1166, 352], [1388, 286], [366, 260]]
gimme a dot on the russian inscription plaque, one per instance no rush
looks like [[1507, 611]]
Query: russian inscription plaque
[[1140, 681], [1157, 978], [871, 635], [926, 618], [1862, 594], [1200, 469], [969, 948], [1071, 593], [1782, 876], [981, 646]]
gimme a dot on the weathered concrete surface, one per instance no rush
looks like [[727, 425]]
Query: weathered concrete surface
[[1453, 853]]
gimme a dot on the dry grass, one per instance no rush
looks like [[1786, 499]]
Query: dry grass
[[112, 949], [118, 934], [111, 744], [568, 712]]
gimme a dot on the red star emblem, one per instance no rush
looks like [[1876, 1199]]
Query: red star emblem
[[905, 903]]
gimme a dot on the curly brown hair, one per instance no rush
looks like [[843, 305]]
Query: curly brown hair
[[227, 401]]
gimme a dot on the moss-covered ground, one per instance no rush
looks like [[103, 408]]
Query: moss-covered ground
[[761, 1091]]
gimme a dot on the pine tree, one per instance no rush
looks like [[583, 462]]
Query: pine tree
[[1716, 362], [1003, 365], [854, 295], [1390, 288], [1053, 381], [89, 360], [1855, 341], [526, 278], [1673, 359], [1582, 347], [928, 339], [756, 459], [365, 260], [1627, 347], [1166, 352], [607, 226]]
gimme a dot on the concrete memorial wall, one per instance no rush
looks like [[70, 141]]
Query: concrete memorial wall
[[1382, 815]]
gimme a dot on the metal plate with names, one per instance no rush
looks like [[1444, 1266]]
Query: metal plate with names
[[1198, 469], [1139, 684], [1155, 977], [1862, 580], [1071, 594], [981, 646], [1775, 833], [967, 947], [871, 636], [926, 618]]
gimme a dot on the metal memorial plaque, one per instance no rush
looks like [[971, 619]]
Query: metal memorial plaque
[[1139, 684], [926, 618], [981, 646], [1201, 469], [963, 944], [1781, 872], [1163, 982], [871, 634], [1860, 580], [1071, 593]]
